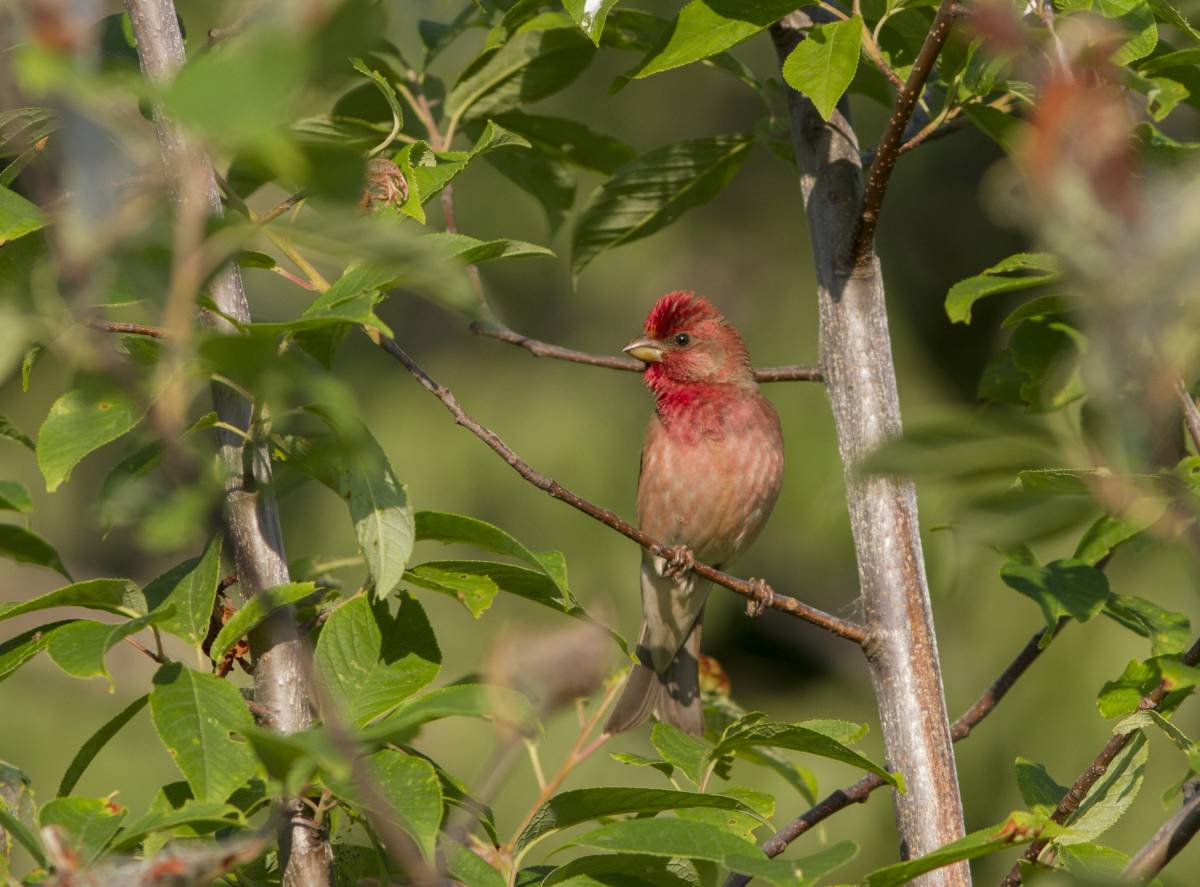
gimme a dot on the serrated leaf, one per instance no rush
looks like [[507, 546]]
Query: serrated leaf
[[79, 649], [1061, 588], [96, 742], [500, 704], [822, 65], [16, 651], [1122, 696], [705, 27], [191, 588], [24, 547], [201, 816], [1036, 784], [82, 420], [411, 787], [1111, 796], [795, 872], [474, 591], [194, 714], [624, 870], [14, 497], [1171, 14], [18, 216], [583, 805], [473, 251], [826, 739], [89, 823], [469, 868], [662, 836], [1168, 632], [371, 661], [119, 596], [689, 753], [255, 611], [533, 585], [1108, 532], [1132, 16], [653, 191], [963, 295]]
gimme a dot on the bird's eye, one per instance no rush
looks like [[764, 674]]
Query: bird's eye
[[682, 339]]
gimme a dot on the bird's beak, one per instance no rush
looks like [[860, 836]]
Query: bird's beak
[[644, 349]]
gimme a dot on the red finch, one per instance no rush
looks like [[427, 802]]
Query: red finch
[[712, 466]]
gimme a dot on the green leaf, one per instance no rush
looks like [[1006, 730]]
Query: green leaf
[[16, 651], [191, 589], [826, 739], [293, 758], [469, 868], [79, 649], [624, 870], [668, 837], [802, 872], [14, 497], [822, 65], [1169, 13], [1043, 267], [1168, 632], [255, 611], [474, 591], [1108, 532], [18, 809], [12, 432], [410, 786], [705, 27], [194, 714], [96, 742], [583, 805], [505, 706], [1061, 588], [568, 141], [1124, 695], [530, 584], [1132, 16], [1111, 796], [1036, 784], [590, 15], [82, 420], [24, 547], [118, 596], [534, 63], [371, 661], [389, 95], [23, 836], [550, 182], [689, 753], [472, 251], [653, 191], [89, 823], [1019, 828], [201, 816], [18, 216]]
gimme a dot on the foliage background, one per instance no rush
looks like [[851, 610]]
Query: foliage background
[[747, 250]]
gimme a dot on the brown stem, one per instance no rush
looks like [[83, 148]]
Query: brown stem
[[1078, 791], [889, 145], [251, 514], [1191, 415], [751, 590], [538, 348], [1172, 837], [132, 329]]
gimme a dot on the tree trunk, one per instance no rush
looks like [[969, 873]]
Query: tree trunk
[[251, 514], [860, 377]]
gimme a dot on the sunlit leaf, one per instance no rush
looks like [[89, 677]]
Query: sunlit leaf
[[87, 417], [96, 742], [1003, 277], [256, 610], [822, 65]]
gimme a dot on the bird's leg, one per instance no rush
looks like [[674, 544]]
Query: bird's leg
[[678, 560], [763, 597]]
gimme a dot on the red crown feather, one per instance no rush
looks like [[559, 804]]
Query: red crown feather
[[676, 310]]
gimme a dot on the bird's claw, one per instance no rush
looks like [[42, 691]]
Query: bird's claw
[[679, 560], [762, 597]]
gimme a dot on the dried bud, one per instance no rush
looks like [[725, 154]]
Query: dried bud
[[385, 184], [713, 679]]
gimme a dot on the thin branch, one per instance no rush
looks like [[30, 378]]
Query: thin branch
[[1078, 791], [274, 213], [538, 348], [758, 592], [861, 790], [889, 145], [132, 329], [1174, 835], [1191, 415], [142, 648]]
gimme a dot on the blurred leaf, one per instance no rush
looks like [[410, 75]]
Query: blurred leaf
[[96, 742], [471, 251], [24, 547], [469, 868], [662, 836], [1132, 16], [1036, 785], [256, 610], [22, 834], [18, 650], [706, 27], [474, 591], [499, 704], [826, 739], [194, 713], [411, 787], [18, 216], [823, 64], [1064, 587], [1170, 14], [590, 15], [12, 432], [79, 648], [624, 870], [371, 661], [14, 497], [1168, 632], [293, 758], [653, 191], [568, 141], [202, 816], [22, 128], [540, 59], [1111, 796], [191, 588], [87, 417], [583, 805], [1019, 828], [792, 872], [1180, 58], [89, 823], [436, 36], [964, 294], [118, 596], [689, 753]]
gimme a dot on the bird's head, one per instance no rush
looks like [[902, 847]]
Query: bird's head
[[687, 341]]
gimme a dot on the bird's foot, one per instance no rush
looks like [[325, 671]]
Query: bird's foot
[[679, 560], [763, 597]]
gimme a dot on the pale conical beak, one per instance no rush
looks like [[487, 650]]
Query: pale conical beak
[[644, 349]]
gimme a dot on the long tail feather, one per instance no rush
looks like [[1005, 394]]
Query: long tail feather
[[672, 695]]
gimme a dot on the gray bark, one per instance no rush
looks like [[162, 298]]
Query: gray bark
[[251, 515], [860, 377]]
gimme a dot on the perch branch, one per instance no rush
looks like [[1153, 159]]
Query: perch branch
[[539, 348], [1172, 837], [756, 591]]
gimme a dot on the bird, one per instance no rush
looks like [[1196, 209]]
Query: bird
[[711, 471]]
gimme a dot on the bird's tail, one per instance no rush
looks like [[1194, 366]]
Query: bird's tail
[[672, 695]]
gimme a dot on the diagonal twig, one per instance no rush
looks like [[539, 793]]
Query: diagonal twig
[[756, 591], [538, 348], [1172, 837]]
